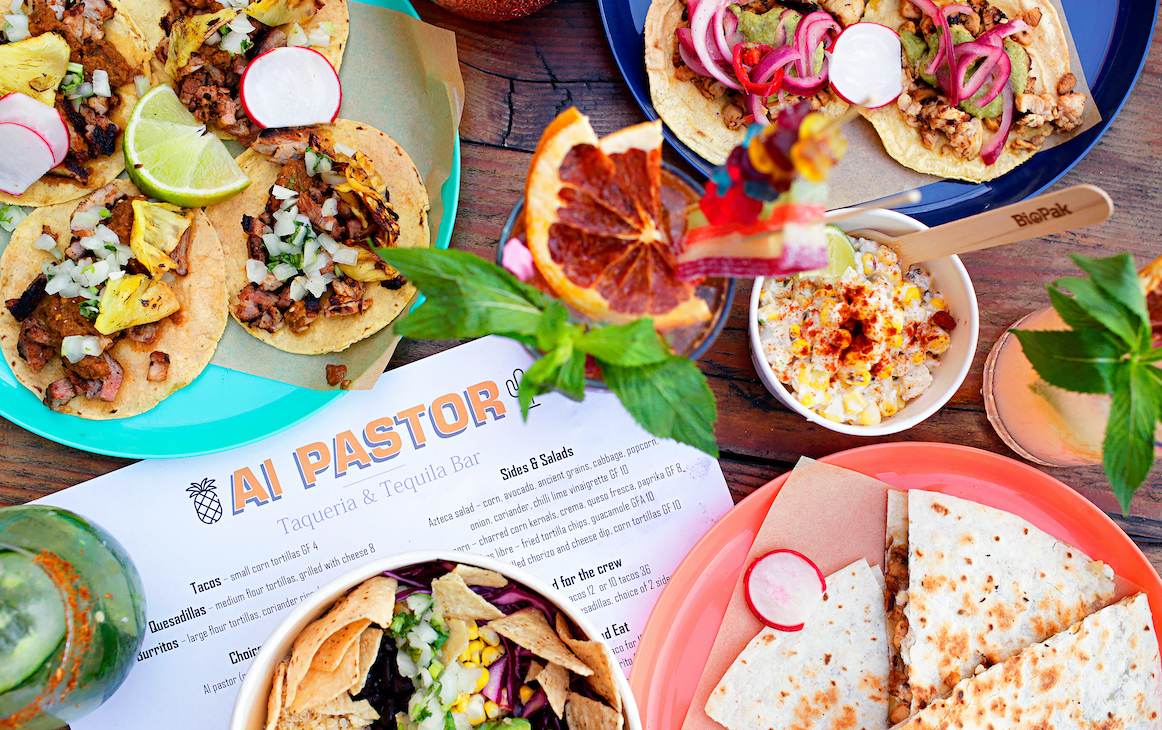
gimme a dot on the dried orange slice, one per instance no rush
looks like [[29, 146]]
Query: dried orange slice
[[598, 229]]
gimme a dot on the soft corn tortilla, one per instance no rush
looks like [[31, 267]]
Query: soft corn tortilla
[[408, 198], [189, 336], [695, 119], [1049, 61], [983, 585], [125, 35], [1100, 673], [831, 674]]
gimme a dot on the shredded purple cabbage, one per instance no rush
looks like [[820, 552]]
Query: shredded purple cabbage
[[513, 597], [421, 575], [536, 702], [496, 677]]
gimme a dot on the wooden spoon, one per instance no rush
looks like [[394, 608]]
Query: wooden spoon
[[1063, 210]]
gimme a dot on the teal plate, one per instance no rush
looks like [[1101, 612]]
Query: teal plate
[[222, 409]]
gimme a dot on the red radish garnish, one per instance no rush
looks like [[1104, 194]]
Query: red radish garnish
[[24, 157], [783, 588], [41, 118], [294, 86], [865, 65]]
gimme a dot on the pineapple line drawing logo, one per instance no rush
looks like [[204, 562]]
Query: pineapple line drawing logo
[[206, 502]]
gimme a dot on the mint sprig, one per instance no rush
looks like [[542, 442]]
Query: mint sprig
[[1109, 351], [469, 297]]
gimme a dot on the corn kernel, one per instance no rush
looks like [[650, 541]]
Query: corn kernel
[[800, 347], [460, 704], [939, 303], [829, 416], [818, 379], [911, 293], [492, 710], [489, 655], [860, 377], [888, 408], [483, 681], [807, 399], [887, 255], [854, 402], [891, 273], [473, 632], [870, 416], [938, 344], [896, 341], [795, 331], [918, 358], [526, 694], [475, 710], [826, 312], [489, 636], [869, 263], [886, 372]]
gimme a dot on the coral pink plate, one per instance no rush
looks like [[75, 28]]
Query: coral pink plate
[[682, 627]]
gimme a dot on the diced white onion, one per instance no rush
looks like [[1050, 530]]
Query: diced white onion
[[242, 24], [284, 226], [296, 242], [273, 243], [329, 207], [87, 219], [330, 245], [282, 272], [85, 89], [298, 288], [70, 290], [348, 257], [106, 234], [407, 667], [11, 215], [116, 274], [17, 6], [282, 193], [44, 242], [75, 347], [92, 243], [57, 283], [319, 37], [317, 285], [468, 679], [324, 166], [233, 41], [425, 677], [288, 203], [425, 631], [101, 84], [255, 271], [16, 27], [213, 39], [142, 84], [340, 147], [333, 178], [296, 37], [95, 274]]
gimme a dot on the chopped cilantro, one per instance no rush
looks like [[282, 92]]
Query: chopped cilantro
[[424, 713], [247, 45], [104, 213], [449, 723], [402, 623], [110, 247], [90, 308]]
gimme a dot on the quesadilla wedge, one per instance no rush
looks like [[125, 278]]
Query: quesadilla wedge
[[82, 57], [1100, 673], [111, 303], [832, 673], [979, 585], [301, 270], [202, 47], [1036, 98]]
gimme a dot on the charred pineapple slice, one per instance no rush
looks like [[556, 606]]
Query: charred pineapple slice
[[157, 229], [132, 300], [361, 180], [188, 34], [279, 12], [34, 66], [369, 267]]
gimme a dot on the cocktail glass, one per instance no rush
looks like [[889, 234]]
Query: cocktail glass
[[72, 616]]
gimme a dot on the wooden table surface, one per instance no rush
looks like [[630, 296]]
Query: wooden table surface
[[519, 75]]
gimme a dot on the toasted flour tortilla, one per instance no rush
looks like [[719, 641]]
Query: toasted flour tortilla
[[1049, 61], [695, 119], [982, 585], [189, 336], [125, 35], [1100, 673], [831, 674], [408, 198]]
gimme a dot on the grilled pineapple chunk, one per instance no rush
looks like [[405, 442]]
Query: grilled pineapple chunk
[[369, 267], [188, 34], [157, 229], [34, 66], [132, 300], [279, 12]]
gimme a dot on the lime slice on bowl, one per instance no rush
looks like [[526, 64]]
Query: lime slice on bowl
[[170, 156], [840, 255]]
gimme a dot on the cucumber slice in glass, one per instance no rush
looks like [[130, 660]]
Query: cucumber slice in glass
[[32, 618]]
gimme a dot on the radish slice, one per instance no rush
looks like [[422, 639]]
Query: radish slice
[[865, 65], [24, 157], [782, 589], [291, 87], [43, 119]]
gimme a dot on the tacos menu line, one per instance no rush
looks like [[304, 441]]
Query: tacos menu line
[[111, 303], [82, 57], [301, 270]]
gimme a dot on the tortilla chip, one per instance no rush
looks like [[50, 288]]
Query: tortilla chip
[[331, 652], [535, 668], [528, 628], [369, 642], [554, 679], [563, 630], [599, 658], [319, 686], [583, 713], [372, 599], [340, 713], [474, 576], [454, 599], [457, 640], [274, 704]]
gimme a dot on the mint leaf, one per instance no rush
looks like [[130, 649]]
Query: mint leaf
[[561, 369], [1117, 277], [1128, 449], [467, 296], [1072, 313], [1114, 317], [636, 343], [670, 399], [1083, 361], [553, 328]]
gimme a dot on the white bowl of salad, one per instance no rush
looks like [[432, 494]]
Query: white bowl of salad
[[866, 347], [435, 640]]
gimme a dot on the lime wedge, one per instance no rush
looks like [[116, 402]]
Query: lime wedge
[[840, 255], [32, 618], [170, 156]]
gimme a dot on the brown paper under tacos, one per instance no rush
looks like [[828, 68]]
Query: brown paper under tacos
[[188, 336], [408, 198]]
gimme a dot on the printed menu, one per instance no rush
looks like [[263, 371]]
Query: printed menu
[[435, 456]]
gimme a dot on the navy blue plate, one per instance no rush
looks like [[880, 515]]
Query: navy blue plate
[[1112, 38]]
